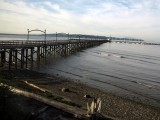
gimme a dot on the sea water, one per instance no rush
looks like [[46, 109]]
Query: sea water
[[127, 70]]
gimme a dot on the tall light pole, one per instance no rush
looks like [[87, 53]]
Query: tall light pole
[[45, 36], [68, 36], [28, 35], [56, 36]]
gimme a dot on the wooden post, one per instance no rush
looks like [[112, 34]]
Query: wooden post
[[43, 51], [16, 59], [31, 57], [26, 57], [50, 49], [3, 57], [54, 49], [65, 49], [10, 58], [22, 57], [38, 53], [45, 54]]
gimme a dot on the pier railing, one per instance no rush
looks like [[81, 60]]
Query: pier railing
[[32, 43]]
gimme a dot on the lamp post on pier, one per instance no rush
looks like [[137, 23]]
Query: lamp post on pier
[[56, 36], [68, 36], [79, 38], [28, 35], [45, 35]]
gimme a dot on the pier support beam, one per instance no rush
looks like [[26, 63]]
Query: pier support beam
[[3, 58], [10, 58], [22, 58], [15, 58]]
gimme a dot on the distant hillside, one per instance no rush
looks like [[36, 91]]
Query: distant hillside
[[78, 36]]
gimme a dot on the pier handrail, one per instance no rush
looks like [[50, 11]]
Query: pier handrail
[[32, 43]]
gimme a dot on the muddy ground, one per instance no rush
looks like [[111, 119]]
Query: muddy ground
[[115, 107]]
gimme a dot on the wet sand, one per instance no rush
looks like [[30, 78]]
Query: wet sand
[[114, 106]]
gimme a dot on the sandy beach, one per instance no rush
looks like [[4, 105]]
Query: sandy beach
[[113, 107]]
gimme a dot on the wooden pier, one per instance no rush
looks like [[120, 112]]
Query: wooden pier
[[23, 54]]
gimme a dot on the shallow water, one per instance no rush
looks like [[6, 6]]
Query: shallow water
[[128, 70]]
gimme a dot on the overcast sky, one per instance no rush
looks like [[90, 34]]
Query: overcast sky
[[122, 18]]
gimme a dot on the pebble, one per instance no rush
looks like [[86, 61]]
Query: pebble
[[65, 90], [87, 96]]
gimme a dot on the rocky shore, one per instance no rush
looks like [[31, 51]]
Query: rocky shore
[[74, 94]]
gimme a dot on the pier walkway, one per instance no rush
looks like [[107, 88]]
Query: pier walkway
[[22, 54]]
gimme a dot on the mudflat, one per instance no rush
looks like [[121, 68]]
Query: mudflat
[[113, 107]]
